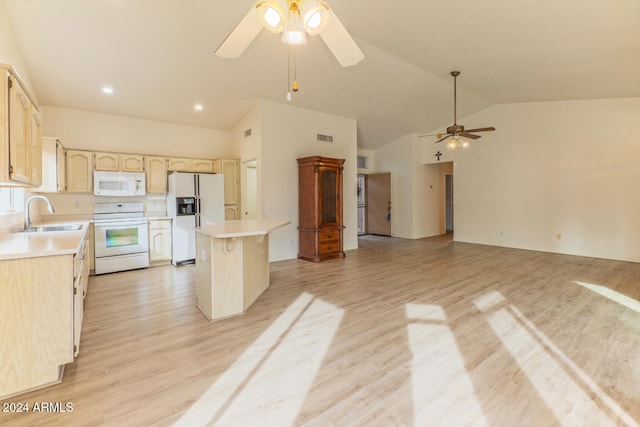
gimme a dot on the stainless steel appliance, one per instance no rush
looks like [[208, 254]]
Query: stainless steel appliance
[[193, 200], [121, 237], [119, 184]]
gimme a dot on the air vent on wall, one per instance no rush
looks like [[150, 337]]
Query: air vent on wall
[[325, 138], [247, 133]]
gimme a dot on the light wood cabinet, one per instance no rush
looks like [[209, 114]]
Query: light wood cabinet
[[80, 281], [53, 166], [176, 164], [21, 131], [320, 224], [160, 241], [230, 169], [34, 156], [106, 162], [179, 164], [131, 163], [61, 167], [19, 124], [118, 162], [231, 212], [79, 171], [198, 165], [41, 319], [156, 174]]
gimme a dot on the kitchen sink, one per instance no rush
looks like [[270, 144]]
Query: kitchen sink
[[45, 228]]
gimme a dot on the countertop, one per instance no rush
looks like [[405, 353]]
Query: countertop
[[50, 243], [241, 228]]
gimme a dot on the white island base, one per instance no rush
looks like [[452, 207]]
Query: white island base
[[232, 265]]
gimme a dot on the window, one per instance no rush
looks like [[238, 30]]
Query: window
[[11, 200]]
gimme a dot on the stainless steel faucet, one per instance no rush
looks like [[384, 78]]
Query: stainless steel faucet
[[27, 215]]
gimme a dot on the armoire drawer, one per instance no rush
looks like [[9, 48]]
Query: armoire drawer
[[328, 235]]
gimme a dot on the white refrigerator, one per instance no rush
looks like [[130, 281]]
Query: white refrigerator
[[193, 199]]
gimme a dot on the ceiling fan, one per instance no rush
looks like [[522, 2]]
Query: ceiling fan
[[294, 19], [456, 131]]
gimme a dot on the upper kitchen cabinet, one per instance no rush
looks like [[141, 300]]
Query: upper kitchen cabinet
[[118, 162], [179, 165], [190, 165], [155, 169], [199, 165], [79, 171], [53, 166], [20, 145]]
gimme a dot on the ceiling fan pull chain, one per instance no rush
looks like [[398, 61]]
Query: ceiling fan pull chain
[[295, 72], [289, 73]]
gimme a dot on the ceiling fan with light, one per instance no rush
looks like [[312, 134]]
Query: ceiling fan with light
[[456, 131], [294, 19]]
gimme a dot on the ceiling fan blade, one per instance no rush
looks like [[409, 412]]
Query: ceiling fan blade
[[480, 129], [466, 134], [442, 139], [340, 43], [430, 134], [241, 36]]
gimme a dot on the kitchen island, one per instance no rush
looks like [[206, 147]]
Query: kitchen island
[[232, 265]]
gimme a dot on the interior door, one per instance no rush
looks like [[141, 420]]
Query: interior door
[[379, 204]]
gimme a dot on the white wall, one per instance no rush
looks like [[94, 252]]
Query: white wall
[[10, 53], [395, 158], [288, 133], [96, 131], [570, 168], [429, 207], [249, 148], [417, 190]]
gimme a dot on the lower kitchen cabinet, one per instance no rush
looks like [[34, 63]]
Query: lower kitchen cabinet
[[231, 212], [41, 318], [159, 241]]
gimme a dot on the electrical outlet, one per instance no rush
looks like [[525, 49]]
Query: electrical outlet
[[76, 205], [558, 236]]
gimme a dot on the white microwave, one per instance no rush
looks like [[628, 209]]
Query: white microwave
[[119, 184]]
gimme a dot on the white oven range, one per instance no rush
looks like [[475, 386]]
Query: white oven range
[[121, 237]]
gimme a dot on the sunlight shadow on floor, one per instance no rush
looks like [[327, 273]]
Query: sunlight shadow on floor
[[571, 395], [441, 389], [614, 296], [270, 380]]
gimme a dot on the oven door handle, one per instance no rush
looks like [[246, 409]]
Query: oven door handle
[[120, 224]]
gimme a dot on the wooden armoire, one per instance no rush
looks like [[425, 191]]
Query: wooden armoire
[[320, 208]]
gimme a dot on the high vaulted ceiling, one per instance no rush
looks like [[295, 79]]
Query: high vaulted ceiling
[[158, 55]]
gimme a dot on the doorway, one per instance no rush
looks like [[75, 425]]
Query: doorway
[[378, 200], [250, 193], [449, 203], [362, 204]]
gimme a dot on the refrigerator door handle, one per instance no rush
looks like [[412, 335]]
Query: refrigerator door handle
[[196, 184], [197, 220]]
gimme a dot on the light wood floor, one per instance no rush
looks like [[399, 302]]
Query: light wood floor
[[399, 333]]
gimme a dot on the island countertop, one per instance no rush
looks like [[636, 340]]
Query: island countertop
[[241, 228]]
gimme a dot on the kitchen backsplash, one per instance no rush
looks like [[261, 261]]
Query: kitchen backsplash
[[81, 205]]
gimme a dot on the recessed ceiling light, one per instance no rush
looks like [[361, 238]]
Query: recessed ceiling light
[[198, 107], [107, 89]]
